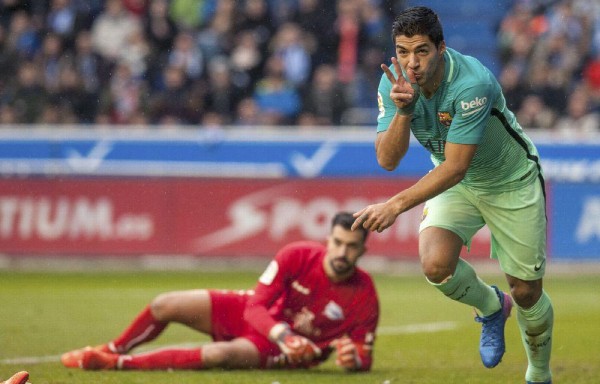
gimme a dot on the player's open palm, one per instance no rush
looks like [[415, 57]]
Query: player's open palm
[[403, 93]]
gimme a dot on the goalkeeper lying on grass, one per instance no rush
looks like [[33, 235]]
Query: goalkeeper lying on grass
[[310, 301]]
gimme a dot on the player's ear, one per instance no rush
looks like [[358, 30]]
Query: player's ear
[[442, 48]]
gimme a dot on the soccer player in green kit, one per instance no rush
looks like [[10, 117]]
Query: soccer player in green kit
[[486, 171]]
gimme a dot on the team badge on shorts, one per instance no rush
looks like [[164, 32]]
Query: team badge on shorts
[[445, 118], [424, 215]]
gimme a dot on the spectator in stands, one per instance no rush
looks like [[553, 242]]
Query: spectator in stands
[[580, 119], [315, 18], [50, 61], [63, 20], [534, 113], [8, 61], [137, 53], [72, 96], [188, 14], [513, 86], [591, 78], [28, 94], [112, 29], [218, 36], [127, 94], [170, 103], [186, 55], [325, 98], [136, 7], [92, 68], [290, 44], [247, 113], [222, 95], [22, 35], [519, 29], [350, 34], [55, 113], [247, 60], [8, 115], [255, 19], [278, 101], [159, 27]]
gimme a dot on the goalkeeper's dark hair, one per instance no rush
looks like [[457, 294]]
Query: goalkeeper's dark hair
[[418, 21], [345, 220]]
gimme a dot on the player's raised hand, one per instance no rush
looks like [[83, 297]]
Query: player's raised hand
[[403, 93]]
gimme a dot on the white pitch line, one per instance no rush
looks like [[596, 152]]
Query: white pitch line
[[389, 330], [417, 328]]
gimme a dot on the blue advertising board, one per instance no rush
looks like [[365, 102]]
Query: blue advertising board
[[575, 221]]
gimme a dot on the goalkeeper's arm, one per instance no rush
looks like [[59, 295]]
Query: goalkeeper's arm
[[296, 348]]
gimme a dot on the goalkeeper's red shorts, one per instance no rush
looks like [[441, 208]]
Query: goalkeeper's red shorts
[[228, 323]]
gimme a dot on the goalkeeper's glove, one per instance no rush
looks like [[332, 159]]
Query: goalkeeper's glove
[[347, 354], [297, 349]]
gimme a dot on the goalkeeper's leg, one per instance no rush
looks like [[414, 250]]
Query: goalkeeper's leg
[[236, 354], [191, 308]]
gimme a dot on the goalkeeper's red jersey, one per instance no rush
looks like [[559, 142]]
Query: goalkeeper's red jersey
[[294, 288]]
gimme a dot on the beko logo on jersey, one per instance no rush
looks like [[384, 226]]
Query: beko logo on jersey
[[477, 103]]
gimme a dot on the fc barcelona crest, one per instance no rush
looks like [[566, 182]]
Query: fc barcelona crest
[[445, 118]]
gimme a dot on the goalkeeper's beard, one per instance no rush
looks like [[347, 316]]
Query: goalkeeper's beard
[[341, 265]]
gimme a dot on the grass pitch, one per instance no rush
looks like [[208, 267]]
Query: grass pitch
[[423, 337]]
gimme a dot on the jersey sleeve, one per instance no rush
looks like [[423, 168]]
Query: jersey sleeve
[[272, 284], [473, 107], [387, 108]]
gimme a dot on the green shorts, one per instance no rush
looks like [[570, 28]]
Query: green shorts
[[516, 219]]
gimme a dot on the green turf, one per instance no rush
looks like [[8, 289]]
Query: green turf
[[43, 315]]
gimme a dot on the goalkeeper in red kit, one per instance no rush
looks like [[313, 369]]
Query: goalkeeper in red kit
[[311, 301]]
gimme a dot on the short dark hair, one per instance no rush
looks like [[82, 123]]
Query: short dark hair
[[418, 21], [345, 220]]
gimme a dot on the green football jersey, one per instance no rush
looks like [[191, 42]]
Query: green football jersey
[[469, 108]]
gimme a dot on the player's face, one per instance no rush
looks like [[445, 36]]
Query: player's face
[[344, 247], [419, 54]]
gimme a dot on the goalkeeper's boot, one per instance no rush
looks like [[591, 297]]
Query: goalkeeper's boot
[[491, 344], [94, 360], [18, 378], [72, 359]]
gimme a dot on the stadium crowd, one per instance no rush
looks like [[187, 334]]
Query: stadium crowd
[[265, 62], [550, 52]]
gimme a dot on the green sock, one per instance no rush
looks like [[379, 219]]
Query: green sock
[[535, 324], [464, 286]]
